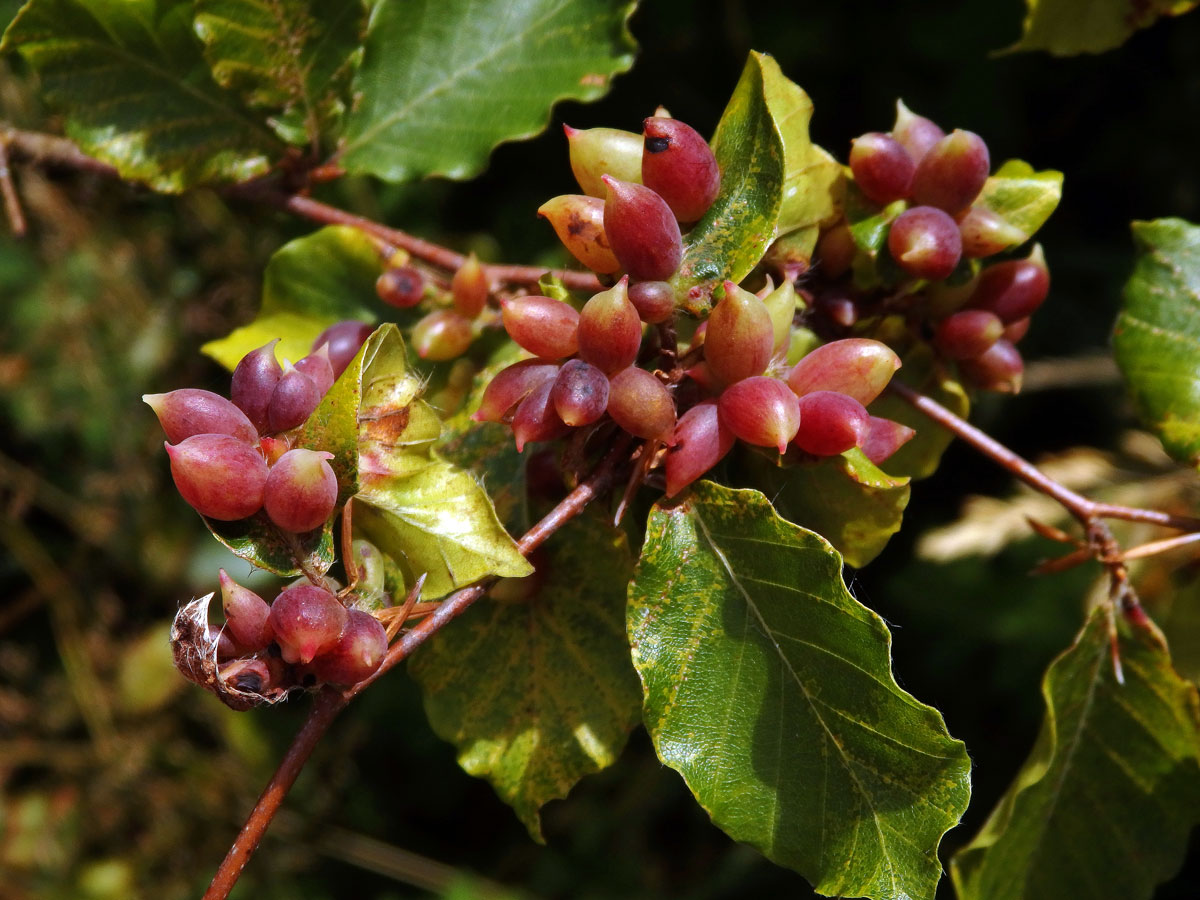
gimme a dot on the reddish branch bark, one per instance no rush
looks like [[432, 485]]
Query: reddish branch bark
[[437, 255], [48, 150], [1085, 510]]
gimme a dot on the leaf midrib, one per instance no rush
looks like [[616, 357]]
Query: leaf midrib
[[769, 633], [391, 119]]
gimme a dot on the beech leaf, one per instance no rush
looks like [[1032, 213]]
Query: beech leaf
[[1104, 804], [846, 499], [740, 225], [813, 181], [769, 688], [291, 57], [442, 82], [1156, 340], [534, 687], [132, 82], [1021, 196]]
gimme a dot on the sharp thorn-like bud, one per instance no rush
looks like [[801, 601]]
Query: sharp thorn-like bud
[[401, 286], [925, 242], [951, 175], [319, 368], [610, 331], [536, 418], [344, 340], [301, 490], [857, 367], [253, 382], [985, 233], [999, 368], [469, 287], [740, 337], [884, 437], [358, 653], [642, 231], [1017, 330], [580, 393], [915, 133], [578, 220], [701, 441], [835, 250], [831, 423], [307, 621], [641, 404], [542, 325], [679, 166], [654, 300], [761, 411], [1012, 289], [882, 168], [294, 399], [596, 152], [839, 308], [967, 334], [512, 385], [246, 615], [219, 476], [190, 411], [442, 335]]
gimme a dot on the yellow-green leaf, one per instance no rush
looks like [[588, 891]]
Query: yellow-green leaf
[[737, 229], [813, 182], [293, 58], [1022, 197], [1069, 27], [846, 499], [310, 283]]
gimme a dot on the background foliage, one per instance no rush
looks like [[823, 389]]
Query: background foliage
[[117, 776]]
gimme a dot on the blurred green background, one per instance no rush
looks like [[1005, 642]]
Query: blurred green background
[[119, 780]]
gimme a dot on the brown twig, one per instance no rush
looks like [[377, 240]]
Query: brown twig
[[1100, 543], [330, 702], [12, 203], [45, 149], [49, 150], [326, 706], [436, 254], [1083, 509], [1154, 547]]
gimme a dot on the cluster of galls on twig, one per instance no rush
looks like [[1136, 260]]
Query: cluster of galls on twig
[[735, 381], [974, 318], [232, 459]]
